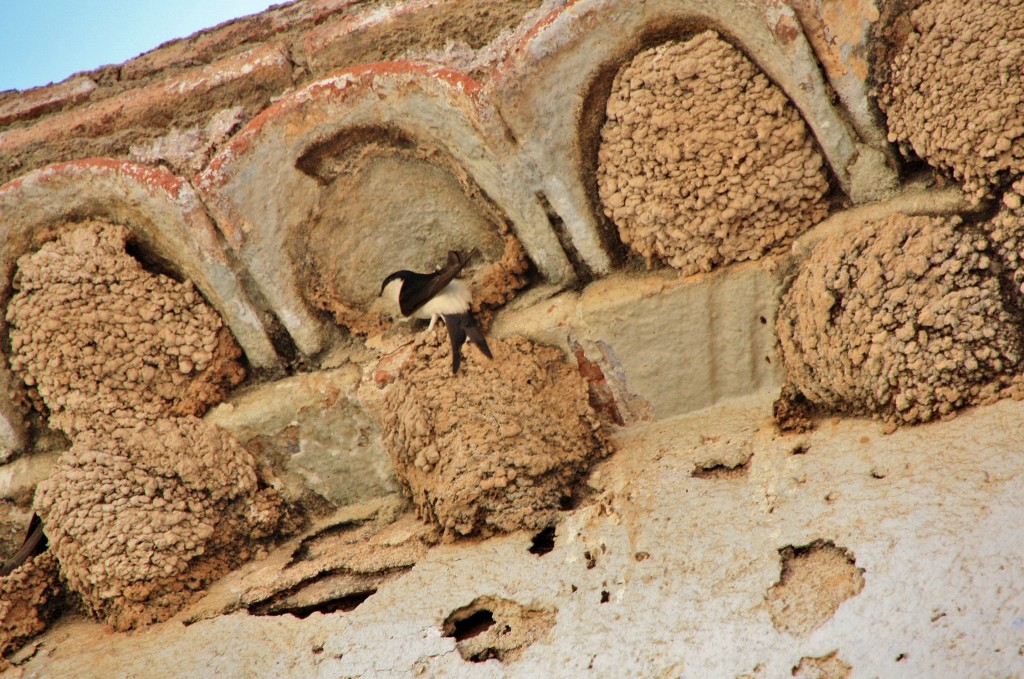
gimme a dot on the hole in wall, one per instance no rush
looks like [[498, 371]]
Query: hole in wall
[[475, 625], [578, 496], [543, 542], [793, 412], [605, 596], [495, 628], [721, 470]]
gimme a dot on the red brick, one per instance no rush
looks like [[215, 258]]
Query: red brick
[[40, 100], [201, 47], [267, 65], [205, 45], [336, 43]]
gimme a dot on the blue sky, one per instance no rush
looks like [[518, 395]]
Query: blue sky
[[43, 41]]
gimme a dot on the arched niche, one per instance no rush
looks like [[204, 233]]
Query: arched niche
[[275, 188], [553, 87]]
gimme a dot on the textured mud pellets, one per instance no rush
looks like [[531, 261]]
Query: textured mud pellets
[[703, 161], [28, 600], [92, 332], [141, 517], [1006, 230], [497, 447], [905, 319], [955, 94]]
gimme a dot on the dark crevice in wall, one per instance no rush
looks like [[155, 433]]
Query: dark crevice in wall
[[342, 604], [583, 272]]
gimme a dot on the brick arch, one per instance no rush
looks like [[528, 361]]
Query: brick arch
[[168, 221], [550, 89], [261, 190]]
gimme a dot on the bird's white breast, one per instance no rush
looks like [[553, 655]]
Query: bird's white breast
[[454, 299], [392, 290]]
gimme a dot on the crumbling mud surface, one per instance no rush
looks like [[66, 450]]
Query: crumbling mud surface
[[830, 666], [29, 598], [91, 331], [955, 90], [907, 319], [344, 562], [496, 447], [703, 161], [815, 580], [144, 515]]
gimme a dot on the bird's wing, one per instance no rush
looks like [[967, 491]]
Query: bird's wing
[[35, 543], [420, 288]]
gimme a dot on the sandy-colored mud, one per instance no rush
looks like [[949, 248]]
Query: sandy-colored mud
[[703, 161]]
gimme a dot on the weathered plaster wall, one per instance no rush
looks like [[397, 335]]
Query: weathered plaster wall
[[715, 238]]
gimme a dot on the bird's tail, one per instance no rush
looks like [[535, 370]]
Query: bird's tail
[[461, 326]]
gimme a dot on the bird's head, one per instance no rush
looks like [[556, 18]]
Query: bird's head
[[392, 285]]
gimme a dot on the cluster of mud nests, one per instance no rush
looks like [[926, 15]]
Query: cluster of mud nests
[[149, 504], [703, 161], [955, 90], [495, 448], [909, 318]]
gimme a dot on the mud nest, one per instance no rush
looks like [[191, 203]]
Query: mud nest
[[703, 161], [495, 448], [91, 331], [955, 93], [144, 515], [909, 318], [28, 601]]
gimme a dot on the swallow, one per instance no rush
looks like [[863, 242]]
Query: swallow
[[439, 295], [35, 543]]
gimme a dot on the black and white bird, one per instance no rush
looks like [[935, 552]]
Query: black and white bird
[[439, 295]]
